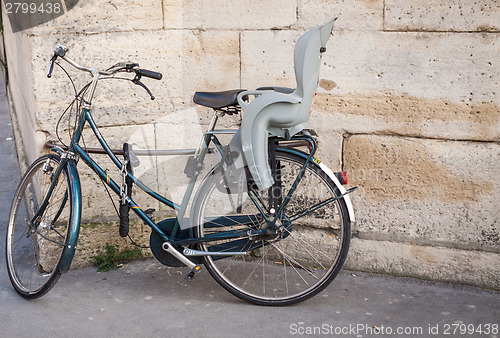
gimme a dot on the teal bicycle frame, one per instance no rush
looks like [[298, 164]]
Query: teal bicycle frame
[[69, 159]]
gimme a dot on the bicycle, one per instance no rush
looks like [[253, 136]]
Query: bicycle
[[273, 246]]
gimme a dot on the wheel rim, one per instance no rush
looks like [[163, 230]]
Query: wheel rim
[[300, 261], [34, 249]]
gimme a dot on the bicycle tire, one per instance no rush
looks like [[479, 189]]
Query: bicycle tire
[[299, 263], [34, 251]]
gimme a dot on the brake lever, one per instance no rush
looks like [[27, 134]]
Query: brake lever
[[137, 81], [52, 61]]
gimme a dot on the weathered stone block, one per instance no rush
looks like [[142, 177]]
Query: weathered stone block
[[230, 14], [427, 262], [459, 67], [412, 116], [428, 15], [267, 58], [426, 192], [93, 16], [352, 15], [431, 85]]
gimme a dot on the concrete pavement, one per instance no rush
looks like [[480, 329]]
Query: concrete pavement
[[145, 299]]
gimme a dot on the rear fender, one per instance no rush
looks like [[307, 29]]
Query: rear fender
[[330, 174]]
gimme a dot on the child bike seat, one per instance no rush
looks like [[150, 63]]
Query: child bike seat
[[279, 111]]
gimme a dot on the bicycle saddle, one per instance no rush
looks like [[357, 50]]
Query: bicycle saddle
[[217, 100], [279, 111]]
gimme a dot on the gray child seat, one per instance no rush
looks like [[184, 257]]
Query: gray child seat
[[279, 111]]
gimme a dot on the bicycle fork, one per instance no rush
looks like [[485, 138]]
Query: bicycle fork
[[68, 159]]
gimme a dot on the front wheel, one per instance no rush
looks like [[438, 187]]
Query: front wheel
[[288, 263], [38, 234]]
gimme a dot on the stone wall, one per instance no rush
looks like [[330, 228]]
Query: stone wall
[[408, 103]]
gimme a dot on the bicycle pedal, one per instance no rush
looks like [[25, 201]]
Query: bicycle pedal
[[149, 212], [192, 273], [193, 167]]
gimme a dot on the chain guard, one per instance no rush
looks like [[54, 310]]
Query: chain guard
[[156, 243]]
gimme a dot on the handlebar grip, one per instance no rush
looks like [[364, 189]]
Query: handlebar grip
[[149, 73]]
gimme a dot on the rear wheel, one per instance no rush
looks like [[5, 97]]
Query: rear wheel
[[35, 246], [290, 262]]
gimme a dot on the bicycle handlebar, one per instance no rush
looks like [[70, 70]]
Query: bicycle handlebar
[[61, 50]]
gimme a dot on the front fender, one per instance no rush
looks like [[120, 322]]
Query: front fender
[[76, 209]]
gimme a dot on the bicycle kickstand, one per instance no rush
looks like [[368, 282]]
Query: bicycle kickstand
[[194, 267]]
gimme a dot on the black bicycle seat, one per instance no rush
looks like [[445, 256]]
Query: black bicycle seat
[[217, 100]]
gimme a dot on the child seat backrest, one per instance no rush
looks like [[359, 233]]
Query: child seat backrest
[[307, 61], [280, 112]]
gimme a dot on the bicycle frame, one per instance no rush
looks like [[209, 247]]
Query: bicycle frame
[[70, 157], [208, 137]]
